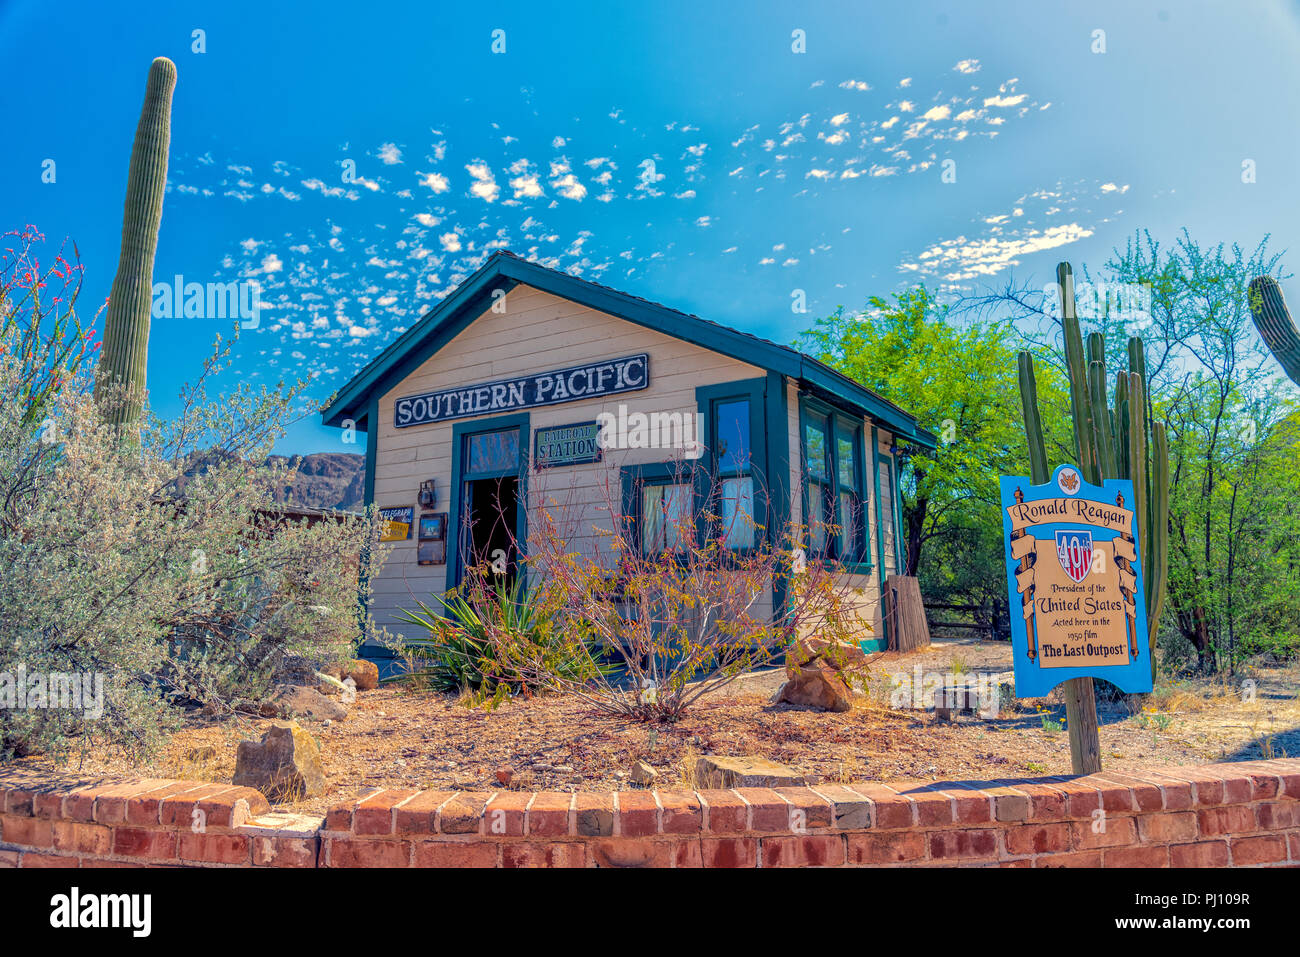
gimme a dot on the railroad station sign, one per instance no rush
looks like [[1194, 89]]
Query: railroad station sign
[[1074, 572], [567, 445]]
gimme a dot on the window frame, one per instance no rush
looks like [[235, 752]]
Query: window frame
[[707, 399], [635, 478], [835, 423]]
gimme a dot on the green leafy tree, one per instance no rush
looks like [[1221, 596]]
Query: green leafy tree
[[959, 379]]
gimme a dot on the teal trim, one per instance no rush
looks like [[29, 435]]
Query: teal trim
[[455, 533], [372, 446], [777, 413], [707, 398], [880, 531], [872, 645], [899, 567], [504, 270]]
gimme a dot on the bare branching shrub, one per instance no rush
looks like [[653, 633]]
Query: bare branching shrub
[[679, 598]]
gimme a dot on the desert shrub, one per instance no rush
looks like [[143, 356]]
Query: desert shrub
[[149, 567], [459, 654]]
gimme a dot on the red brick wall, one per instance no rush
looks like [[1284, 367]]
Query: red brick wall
[[1225, 815]]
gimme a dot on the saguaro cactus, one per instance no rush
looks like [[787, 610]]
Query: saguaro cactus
[[125, 353], [1275, 325], [1118, 443]]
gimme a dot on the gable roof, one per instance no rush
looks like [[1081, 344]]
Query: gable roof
[[504, 270]]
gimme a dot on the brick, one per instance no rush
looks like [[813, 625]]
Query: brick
[[48, 860], [768, 811], [1080, 799], [728, 813], [1263, 784], [1038, 838], [1266, 849], [638, 814], [687, 854], [79, 805], [633, 852], [1237, 788], [27, 831], [144, 842], [82, 838], [849, 809], [214, 848], [964, 843], [419, 814], [808, 805], [234, 807], [1278, 814], [1235, 819], [889, 808], [178, 810], [506, 815], [1078, 859], [808, 850], [1177, 794], [682, 812], [463, 814], [970, 807], [144, 808], [1167, 828], [1117, 831], [885, 847], [285, 851], [1116, 798], [1136, 856], [933, 808], [112, 802], [594, 814], [544, 855], [1203, 854], [8, 860], [346, 852], [1208, 789], [1293, 844], [1009, 805], [18, 801], [455, 854], [338, 817], [1146, 795], [1046, 803], [48, 805], [729, 851], [549, 814], [374, 815]]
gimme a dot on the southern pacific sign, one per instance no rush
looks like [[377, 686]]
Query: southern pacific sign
[[595, 379]]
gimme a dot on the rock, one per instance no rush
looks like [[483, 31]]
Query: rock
[[817, 685], [714, 771], [294, 670], [505, 775], [301, 701], [840, 655], [364, 673], [284, 765], [643, 774]]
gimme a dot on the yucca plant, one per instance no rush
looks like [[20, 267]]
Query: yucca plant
[[461, 651]]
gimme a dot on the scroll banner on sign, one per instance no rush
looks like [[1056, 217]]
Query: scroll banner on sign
[[1074, 571]]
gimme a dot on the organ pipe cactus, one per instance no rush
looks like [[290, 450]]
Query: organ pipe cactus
[[123, 361], [1275, 325], [1110, 443]]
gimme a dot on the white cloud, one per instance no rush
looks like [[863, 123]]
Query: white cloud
[[967, 66], [485, 184], [436, 182], [390, 154]]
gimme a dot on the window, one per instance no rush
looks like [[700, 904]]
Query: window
[[733, 462], [492, 453], [665, 516], [832, 458], [888, 525]]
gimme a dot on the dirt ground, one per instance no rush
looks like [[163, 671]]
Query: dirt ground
[[402, 739]]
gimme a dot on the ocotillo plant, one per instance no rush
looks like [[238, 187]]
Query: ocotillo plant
[[1110, 443], [1275, 325], [122, 363]]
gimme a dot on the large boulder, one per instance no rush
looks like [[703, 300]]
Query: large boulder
[[816, 685], [715, 771], [284, 765], [304, 702]]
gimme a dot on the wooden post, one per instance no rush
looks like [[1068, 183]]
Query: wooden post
[[1081, 723]]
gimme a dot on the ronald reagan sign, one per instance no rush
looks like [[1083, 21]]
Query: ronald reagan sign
[[593, 380], [1074, 573]]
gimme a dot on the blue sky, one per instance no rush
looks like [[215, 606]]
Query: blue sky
[[773, 171]]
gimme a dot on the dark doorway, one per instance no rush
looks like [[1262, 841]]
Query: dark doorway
[[492, 506]]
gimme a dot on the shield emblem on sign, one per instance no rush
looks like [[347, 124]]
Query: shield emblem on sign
[[1074, 549]]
